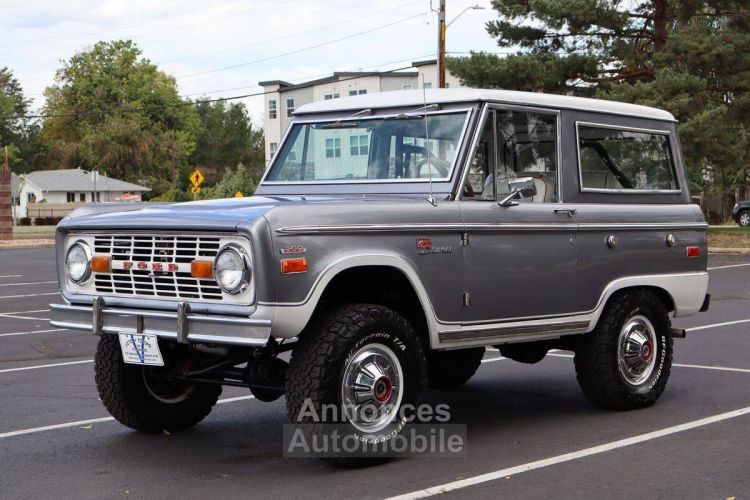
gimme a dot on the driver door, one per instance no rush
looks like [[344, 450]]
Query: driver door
[[521, 259]]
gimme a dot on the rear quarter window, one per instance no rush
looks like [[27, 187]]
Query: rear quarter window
[[619, 159]]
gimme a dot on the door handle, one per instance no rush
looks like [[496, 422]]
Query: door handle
[[570, 211]]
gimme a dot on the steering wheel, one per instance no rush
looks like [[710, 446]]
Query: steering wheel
[[442, 169]]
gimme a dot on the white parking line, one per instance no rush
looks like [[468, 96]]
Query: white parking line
[[34, 367], [13, 334], [490, 360], [680, 365], [22, 317], [727, 267], [94, 421], [28, 295], [29, 283], [716, 325], [567, 457], [25, 312], [12, 276]]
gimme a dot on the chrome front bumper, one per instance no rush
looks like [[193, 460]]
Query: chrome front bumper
[[181, 326]]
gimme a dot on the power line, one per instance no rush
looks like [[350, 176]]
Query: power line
[[303, 49], [291, 35], [103, 112], [302, 79], [156, 32]]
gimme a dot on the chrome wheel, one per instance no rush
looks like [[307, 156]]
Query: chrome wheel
[[745, 218], [371, 388], [637, 350]]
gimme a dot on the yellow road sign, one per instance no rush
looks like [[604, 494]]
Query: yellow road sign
[[195, 189], [239, 194], [196, 178]]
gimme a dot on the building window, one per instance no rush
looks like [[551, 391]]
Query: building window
[[98, 197], [82, 197], [289, 107], [272, 109], [359, 145], [358, 92], [71, 197], [333, 147], [406, 86], [272, 148], [427, 85], [31, 197], [328, 97]]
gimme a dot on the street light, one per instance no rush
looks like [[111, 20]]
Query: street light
[[441, 38], [473, 7]]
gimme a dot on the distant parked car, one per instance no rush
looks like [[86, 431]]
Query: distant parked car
[[741, 213]]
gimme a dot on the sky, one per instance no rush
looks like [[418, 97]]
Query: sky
[[224, 48]]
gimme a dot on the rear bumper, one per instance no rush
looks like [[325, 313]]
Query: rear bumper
[[181, 326]]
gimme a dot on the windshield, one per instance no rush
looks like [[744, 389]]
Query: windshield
[[383, 149]]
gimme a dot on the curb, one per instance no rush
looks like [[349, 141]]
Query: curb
[[30, 243], [729, 251]]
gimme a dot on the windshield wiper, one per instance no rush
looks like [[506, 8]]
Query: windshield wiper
[[326, 126]]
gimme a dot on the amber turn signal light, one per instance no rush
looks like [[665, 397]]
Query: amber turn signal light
[[100, 264], [201, 269], [289, 266]]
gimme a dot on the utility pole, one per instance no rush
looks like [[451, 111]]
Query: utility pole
[[441, 45]]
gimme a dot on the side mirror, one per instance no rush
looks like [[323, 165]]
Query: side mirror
[[521, 187]]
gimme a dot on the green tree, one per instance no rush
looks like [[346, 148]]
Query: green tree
[[113, 110], [226, 137], [689, 57], [240, 179], [17, 132]]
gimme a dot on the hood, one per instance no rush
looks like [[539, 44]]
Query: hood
[[225, 214]]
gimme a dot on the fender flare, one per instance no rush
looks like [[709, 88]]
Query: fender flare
[[291, 317]]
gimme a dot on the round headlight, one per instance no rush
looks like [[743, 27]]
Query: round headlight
[[78, 262], [231, 270]]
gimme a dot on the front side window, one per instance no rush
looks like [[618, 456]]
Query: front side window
[[382, 149], [629, 160], [289, 107], [272, 109], [515, 144]]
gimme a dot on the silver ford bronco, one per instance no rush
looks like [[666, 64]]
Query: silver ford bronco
[[392, 239]]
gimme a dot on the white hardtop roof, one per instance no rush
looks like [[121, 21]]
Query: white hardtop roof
[[401, 98]]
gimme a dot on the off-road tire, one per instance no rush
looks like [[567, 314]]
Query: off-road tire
[[318, 361], [450, 369], [123, 391], [596, 353]]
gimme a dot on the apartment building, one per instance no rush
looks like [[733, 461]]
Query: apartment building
[[282, 98]]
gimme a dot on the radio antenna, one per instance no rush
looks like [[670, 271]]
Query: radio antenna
[[431, 199]]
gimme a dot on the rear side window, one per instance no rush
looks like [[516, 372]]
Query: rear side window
[[625, 160]]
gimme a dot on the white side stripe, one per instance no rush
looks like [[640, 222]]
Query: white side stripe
[[30, 283], [567, 457]]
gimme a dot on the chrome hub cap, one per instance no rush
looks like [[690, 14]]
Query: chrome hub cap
[[371, 390], [745, 219], [636, 350]]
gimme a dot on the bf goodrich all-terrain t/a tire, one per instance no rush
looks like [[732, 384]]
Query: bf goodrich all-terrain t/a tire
[[625, 362], [140, 398], [366, 362], [447, 369]]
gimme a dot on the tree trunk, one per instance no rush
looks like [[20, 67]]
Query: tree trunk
[[661, 18]]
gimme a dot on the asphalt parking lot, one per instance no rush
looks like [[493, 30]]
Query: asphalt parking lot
[[531, 433]]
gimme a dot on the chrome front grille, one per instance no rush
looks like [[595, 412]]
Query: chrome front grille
[[155, 248]]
